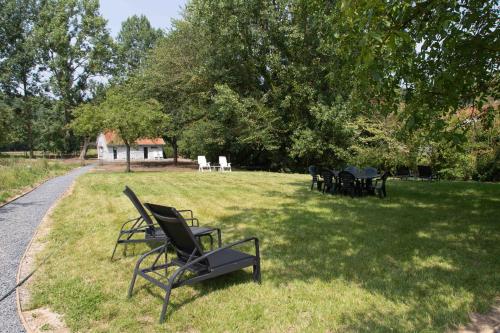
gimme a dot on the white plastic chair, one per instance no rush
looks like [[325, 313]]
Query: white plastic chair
[[203, 164], [223, 164]]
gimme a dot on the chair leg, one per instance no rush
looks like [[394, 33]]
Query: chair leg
[[138, 264], [211, 242], [134, 278], [118, 242], [114, 250], [256, 273], [166, 260], [165, 304], [219, 237]]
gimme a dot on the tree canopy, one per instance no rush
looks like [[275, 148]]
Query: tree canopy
[[129, 117], [278, 84], [136, 38]]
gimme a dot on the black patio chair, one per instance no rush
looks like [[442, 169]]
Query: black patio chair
[[313, 171], [403, 172], [370, 173], [425, 173], [336, 180], [149, 231], [347, 183], [328, 185], [380, 185], [190, 257]]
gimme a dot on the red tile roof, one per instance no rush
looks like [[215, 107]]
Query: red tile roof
[[114, 139], [474, 112]]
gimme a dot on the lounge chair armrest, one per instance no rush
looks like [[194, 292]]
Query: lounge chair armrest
[[192, 219], [208, 254], [137, 222], [135, 230], [187, 210]]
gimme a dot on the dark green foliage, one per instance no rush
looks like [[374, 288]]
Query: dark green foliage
[[276, 84], [75, 48], [136, 38], [6, 120], [367, 83]]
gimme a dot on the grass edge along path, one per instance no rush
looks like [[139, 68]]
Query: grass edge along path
[[19, 176]]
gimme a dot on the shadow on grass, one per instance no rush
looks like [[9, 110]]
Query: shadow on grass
[[423, 246], [427, 246]]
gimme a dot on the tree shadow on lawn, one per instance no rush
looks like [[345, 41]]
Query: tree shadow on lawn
[[426, 245]]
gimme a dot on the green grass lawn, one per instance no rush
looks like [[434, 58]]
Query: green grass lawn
[[18, 173], [419, 260]]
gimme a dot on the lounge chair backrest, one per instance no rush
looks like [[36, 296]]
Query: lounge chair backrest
[[352, 169], [370, 171], [176, 229], [202, 160], [222, 161], [138, 205]]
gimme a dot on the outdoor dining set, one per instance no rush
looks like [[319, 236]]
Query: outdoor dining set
[[351, 181]]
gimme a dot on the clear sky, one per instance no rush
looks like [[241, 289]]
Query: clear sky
[[159, 12]]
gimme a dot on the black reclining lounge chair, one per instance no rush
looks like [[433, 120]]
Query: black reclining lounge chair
[[190, 257], [150, 232]]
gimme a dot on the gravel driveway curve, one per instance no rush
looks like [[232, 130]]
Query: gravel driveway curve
[[18, 222]]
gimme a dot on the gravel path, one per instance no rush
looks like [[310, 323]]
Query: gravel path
[[18, 221]]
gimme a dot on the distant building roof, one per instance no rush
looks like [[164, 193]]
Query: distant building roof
[[473, 112], [114, 139]]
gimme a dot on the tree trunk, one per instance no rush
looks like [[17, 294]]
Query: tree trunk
[[128, 157], [175, 148], [83, 153], [29, 117], [30, 138]]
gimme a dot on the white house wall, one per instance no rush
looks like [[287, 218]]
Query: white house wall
[[105, 151], [137, 153]]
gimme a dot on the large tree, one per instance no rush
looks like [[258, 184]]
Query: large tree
[[77, 50], [129, 117], [324, 67], [88, 123], [6, 116], [135, 39], [19, 78], [173, 76]]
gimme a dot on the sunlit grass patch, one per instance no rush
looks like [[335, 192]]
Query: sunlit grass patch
[[19, 173], [419, 260]]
